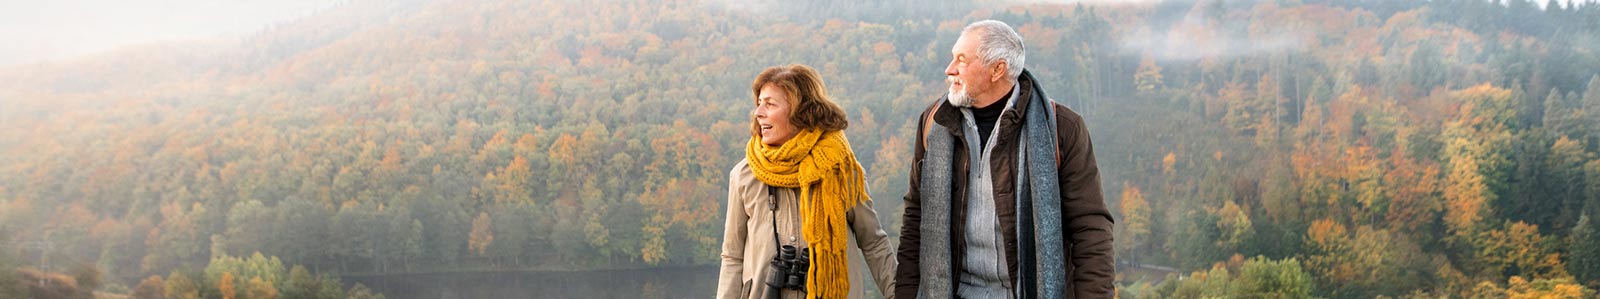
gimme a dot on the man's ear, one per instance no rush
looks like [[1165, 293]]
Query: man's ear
[[1000, 69]]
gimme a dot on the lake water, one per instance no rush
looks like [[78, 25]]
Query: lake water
[[663, 283]]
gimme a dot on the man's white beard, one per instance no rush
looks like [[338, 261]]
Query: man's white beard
[[959, 98]]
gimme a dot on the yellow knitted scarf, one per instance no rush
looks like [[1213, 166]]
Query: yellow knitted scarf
[[820, 163]]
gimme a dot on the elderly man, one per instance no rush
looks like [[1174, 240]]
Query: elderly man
[[1005, 198]]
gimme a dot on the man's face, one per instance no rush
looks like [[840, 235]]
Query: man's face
[[967, 75]]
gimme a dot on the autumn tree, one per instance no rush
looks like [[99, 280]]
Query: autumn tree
[[257, 288], [1518, 249], [1416, 200], [1518, 287], [1135, 221], [482, 235], [1235, 226], [152, 287], [225, 286], [1149, 77], [1474, 150], [1466, 194], [1362, 263]]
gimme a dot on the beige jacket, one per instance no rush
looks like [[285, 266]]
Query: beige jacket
[[748, 245]]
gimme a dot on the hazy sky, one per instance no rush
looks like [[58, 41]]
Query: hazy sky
[[39, 30]]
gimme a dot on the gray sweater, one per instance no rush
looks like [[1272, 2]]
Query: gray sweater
[[983, 270]]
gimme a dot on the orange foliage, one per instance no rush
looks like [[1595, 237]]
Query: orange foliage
[[482, 234], [1464, 195], [1415, 197], [882, 48], [1521, 249], [1325, 233], [225, 286]]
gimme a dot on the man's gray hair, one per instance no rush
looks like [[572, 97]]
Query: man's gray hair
[[996, 42]]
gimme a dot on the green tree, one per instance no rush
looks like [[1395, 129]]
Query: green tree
[[1566, 181], [1590, 105], [1425, 69], [508, 232], [270, 269], [180, 286], [303, 228], [1194, 243], [355, 241], [1563, 116], [331, 287], [1264, 278], [177, 241], [87, 277], [1583, 251], [301, 285], [249, 227], [1531, 189], [1212, 284]]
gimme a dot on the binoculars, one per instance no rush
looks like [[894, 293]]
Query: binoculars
[[788, 271]]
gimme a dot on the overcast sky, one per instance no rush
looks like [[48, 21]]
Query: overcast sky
[[40, 30]]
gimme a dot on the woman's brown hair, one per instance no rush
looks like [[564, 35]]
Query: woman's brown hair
[[808, 96]]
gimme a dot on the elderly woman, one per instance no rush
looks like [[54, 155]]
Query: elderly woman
[[798, 202]]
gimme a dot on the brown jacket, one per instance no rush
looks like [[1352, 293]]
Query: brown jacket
[[748, 245], [1086, 220]]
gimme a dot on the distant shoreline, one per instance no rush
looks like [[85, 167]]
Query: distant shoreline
[[529, 270]]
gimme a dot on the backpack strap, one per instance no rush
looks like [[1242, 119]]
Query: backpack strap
[[927, 123], [1050, 107]]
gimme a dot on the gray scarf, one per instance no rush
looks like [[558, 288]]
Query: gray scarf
[[1040, 252]]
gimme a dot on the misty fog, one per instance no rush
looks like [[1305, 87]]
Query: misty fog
[[40, 31], [560, 149]]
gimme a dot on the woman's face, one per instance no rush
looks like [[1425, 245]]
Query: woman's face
[[772, 115]]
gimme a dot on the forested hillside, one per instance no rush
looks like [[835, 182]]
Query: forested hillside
[[1339, 149]]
